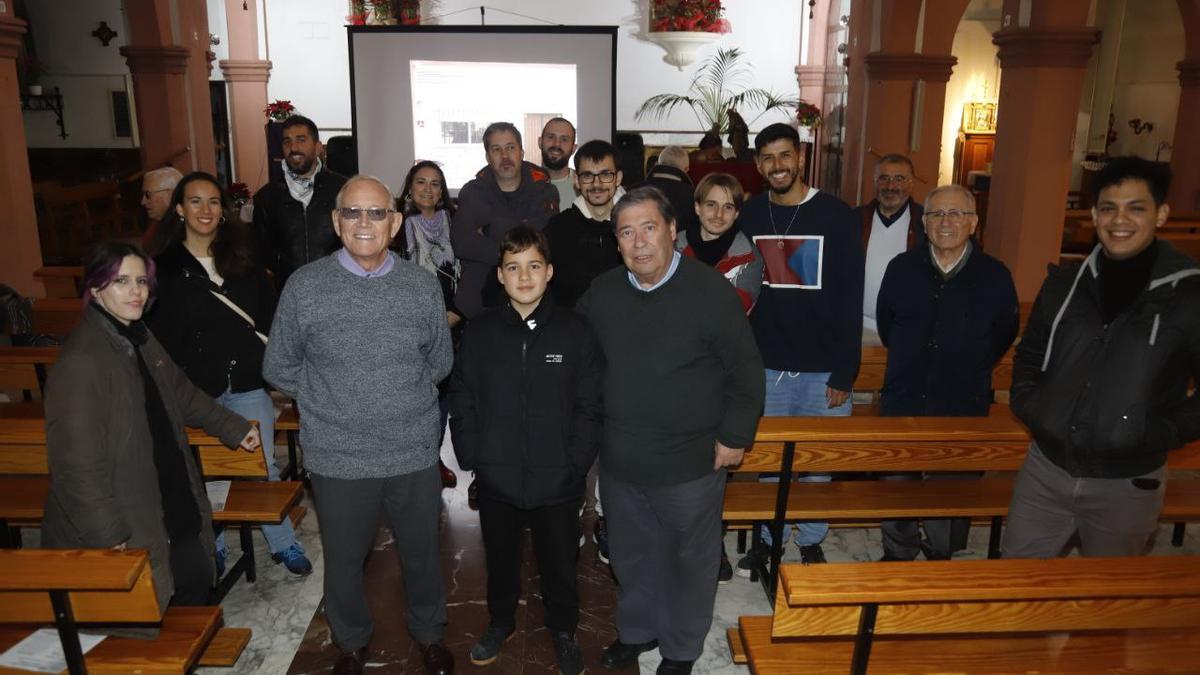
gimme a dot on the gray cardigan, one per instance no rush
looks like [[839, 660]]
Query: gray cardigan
[[363, 358], [103, 484]]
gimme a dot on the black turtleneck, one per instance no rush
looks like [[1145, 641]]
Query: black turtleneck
[[1122, 281], [180, 513], [710, 252]]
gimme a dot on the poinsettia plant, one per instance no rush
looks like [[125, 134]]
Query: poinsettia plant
[[696, 16], [358, 13], [279, 111], [239, 193], [808, 115]]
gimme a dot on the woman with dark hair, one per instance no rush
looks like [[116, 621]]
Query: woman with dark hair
[[121, 471], [427, 214], [215, 306]]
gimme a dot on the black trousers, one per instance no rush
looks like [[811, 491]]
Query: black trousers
[[192, 570], [555, 532]]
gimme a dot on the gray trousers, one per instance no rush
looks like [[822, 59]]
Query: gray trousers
[[943, 536], [348, 512], [665, 547], [1113, 516]]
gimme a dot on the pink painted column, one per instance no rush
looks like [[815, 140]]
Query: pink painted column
[[160, 92], [193, 29], [1184, 197], [21, 253], [246, 75]]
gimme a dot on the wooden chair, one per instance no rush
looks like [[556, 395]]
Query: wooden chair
[[1058, 615], [67, 588]]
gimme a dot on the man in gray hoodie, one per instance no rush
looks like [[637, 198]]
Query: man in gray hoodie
[[360, 340]]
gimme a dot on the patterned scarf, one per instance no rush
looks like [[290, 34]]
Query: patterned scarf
[[429, 240], [301, 186]]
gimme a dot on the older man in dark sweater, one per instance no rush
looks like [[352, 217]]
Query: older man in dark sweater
[[683, 393]]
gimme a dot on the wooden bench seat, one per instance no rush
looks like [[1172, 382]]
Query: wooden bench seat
[[225, 648], [1061, 615], [105, 587]]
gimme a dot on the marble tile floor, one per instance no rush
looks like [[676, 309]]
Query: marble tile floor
[[290, 634]]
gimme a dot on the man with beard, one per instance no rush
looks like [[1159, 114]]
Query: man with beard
[[557, 142], [581, 237], [292, 215], [504, 194], [808, 319], [891, 225]]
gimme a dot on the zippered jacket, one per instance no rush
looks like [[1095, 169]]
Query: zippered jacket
[[1110, 400], [290, 235], [525, 409]]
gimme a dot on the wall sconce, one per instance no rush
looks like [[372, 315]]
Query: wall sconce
[[1140, 127], [104, 34]]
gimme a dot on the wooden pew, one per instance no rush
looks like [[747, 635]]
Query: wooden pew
[[873, 367], [61, 281], [252, 501], [1060, 615], [66, 588], [996, 443], [56, 316], [25, 369]]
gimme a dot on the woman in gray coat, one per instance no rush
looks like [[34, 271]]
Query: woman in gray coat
[[121, 472]]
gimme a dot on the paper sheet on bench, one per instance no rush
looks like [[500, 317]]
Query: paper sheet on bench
[[42, 651], [218, 493]]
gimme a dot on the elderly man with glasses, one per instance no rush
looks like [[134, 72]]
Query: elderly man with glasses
[[360, 340], [891, 225], [157, 187], [946, 312]]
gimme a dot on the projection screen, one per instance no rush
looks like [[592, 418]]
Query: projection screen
[[428, 92]]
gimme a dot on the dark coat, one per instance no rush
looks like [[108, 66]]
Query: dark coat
[[525, 404], [1109, 400], [944, 337], [215, 347], [290, 235], [581, 250], [103, 481], [679, 190], [485, 213], [916, 227]]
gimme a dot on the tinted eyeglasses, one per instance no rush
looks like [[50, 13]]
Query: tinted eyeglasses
[[353, 213]]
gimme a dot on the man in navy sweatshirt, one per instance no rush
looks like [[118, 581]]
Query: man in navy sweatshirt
[[808, 320]]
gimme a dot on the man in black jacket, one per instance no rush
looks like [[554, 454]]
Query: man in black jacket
[[293, 216], [947, 312], [525, 416], [1101, 378], [670, 176]]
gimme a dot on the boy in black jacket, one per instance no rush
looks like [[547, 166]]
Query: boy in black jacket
[[525, 416]]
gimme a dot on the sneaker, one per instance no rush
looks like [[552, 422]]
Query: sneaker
[[221, 562], [473, 494], [600, 536], [726, 571], [294, 560], [487, 650], [812, 554], [673, 667], [756, 557], [449, 479], [567, 652]]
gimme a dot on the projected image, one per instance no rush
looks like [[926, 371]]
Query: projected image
[[455, 101]]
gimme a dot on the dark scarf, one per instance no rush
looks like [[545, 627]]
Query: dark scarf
[[711, 252], [1122, 281], [180, 513]]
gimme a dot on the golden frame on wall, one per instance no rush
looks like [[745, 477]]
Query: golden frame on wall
[[979, 118]]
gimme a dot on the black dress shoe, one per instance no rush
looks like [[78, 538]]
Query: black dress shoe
[[620, 655], [350, 663], [672, 667], [437, 659]]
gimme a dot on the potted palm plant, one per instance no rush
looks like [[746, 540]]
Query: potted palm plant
[[716, 89]]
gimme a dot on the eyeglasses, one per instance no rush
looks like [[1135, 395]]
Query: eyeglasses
[[953, 215], [587, 177], [353, 213], [146, 193], [892, 180]]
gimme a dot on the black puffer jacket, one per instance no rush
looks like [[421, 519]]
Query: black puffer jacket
[[525, 404], [290, 235], [1109, 401], [215, 347]]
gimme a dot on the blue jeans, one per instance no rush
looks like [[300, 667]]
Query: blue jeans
[[257, 405], [800, 395]]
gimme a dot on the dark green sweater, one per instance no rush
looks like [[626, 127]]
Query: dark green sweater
[[683, 372]]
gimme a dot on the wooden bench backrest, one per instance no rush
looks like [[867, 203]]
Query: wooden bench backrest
[[997, 442], [56, 316], [18, 366], [873, 367], [990, 596], [23, 452], [61, 281], [105, 586]]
